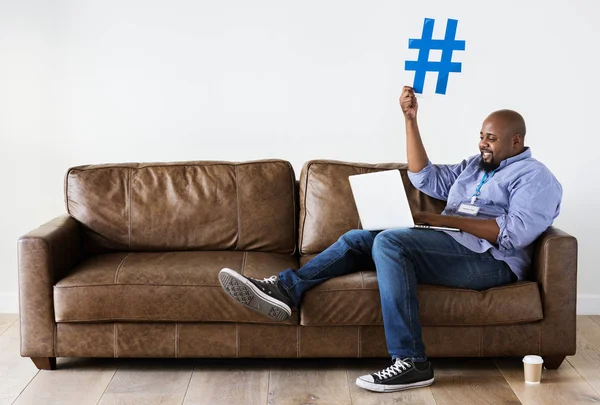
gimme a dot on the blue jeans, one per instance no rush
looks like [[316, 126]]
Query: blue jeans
[[402, 258]]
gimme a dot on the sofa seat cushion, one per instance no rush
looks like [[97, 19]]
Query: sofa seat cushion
[[162, 287], [354, 299]]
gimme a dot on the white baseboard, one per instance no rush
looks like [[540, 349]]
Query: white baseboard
[[588, 304], [9, 302]]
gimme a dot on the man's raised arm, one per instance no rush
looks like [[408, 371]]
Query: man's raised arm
[[416, 155]]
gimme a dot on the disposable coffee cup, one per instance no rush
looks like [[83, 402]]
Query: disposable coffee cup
[[533, 369]]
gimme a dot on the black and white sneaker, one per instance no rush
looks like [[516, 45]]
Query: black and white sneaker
[[404, 374], [264, 296]]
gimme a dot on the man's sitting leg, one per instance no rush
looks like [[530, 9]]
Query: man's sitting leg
[[405, 258]]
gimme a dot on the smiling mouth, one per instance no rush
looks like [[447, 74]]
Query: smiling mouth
[[486, 155]]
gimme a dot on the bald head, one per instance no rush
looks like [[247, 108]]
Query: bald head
[[512, 120], [501, 137]]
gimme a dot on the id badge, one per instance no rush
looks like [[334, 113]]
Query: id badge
[[468, 209]]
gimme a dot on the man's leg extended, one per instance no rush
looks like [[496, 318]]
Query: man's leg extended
[[276, 295]]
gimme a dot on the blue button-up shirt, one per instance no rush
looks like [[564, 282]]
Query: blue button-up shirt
[[523, 196]]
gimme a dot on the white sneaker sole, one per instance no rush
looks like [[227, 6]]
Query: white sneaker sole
[[249, 295], [391, 388]]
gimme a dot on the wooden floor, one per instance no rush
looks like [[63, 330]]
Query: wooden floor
[[306, 382]]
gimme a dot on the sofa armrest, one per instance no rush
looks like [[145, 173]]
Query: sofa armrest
[[45, 255], [555, 269]]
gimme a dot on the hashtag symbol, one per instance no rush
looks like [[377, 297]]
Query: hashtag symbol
[[422, 65]]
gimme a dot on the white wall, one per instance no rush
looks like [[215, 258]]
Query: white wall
[[86, 81]]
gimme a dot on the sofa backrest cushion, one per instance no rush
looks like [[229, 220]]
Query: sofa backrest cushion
[[327, 208], [197, 205]]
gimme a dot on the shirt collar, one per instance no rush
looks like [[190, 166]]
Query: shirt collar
[[521, 156]]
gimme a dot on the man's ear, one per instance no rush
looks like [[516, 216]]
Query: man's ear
[[517, 139]]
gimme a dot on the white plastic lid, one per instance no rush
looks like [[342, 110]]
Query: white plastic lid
[[532, 359]]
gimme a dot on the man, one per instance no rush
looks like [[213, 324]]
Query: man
[[501, 199]]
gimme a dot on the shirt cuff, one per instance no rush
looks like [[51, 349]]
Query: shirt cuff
[[419, 179]]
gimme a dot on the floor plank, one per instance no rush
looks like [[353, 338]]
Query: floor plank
[[595, 318], [361, 396], [149, 381], [561, 386], [75, 381], [229, 382], [15, 371], [470, 381], [307, 382], [587, 359], [6, 321]]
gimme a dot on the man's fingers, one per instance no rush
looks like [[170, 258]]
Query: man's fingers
[[407, 94]]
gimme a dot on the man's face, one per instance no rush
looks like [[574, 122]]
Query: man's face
[[496, 143]]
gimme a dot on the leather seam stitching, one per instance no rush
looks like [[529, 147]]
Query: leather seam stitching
[[540, 340], [480, 340], [461, 290], [146, 285], [301, 242], [478, 324], [362, 166], [116, 354], [237, 341], [237, 196], [52, 269], [55, 338], [67, 190], [199, 163], [176, 341], [129, 207], [116, 282], [294, 231], [362, 171], [244, 259], [155, 320], [298, 341]]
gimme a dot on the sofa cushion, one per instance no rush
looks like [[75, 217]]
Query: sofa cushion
[[354, 299], [162, 286], [327, 208], [185, 205]]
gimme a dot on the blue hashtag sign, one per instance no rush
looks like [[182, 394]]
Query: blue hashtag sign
[[422, 65]]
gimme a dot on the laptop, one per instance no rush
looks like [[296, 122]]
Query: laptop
[[382, 202]]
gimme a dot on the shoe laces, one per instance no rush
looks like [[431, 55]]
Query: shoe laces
[[269, 280], [395, 369]]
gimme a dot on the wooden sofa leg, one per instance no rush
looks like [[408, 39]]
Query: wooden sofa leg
[[553, 362], [44, 363]]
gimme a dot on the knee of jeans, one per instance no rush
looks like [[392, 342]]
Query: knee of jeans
[[353, 236], [390, 238]]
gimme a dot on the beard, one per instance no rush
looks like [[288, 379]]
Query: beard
[[488, 166]]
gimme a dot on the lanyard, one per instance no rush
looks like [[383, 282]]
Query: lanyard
[[486, 177]]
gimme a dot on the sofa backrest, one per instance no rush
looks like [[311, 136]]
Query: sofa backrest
[[186, 205], [327, 208]]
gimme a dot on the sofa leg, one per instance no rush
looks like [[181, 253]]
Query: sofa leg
[[44, 363], [553, 362]]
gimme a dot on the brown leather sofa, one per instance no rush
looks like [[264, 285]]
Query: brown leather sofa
[[131, 271]]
